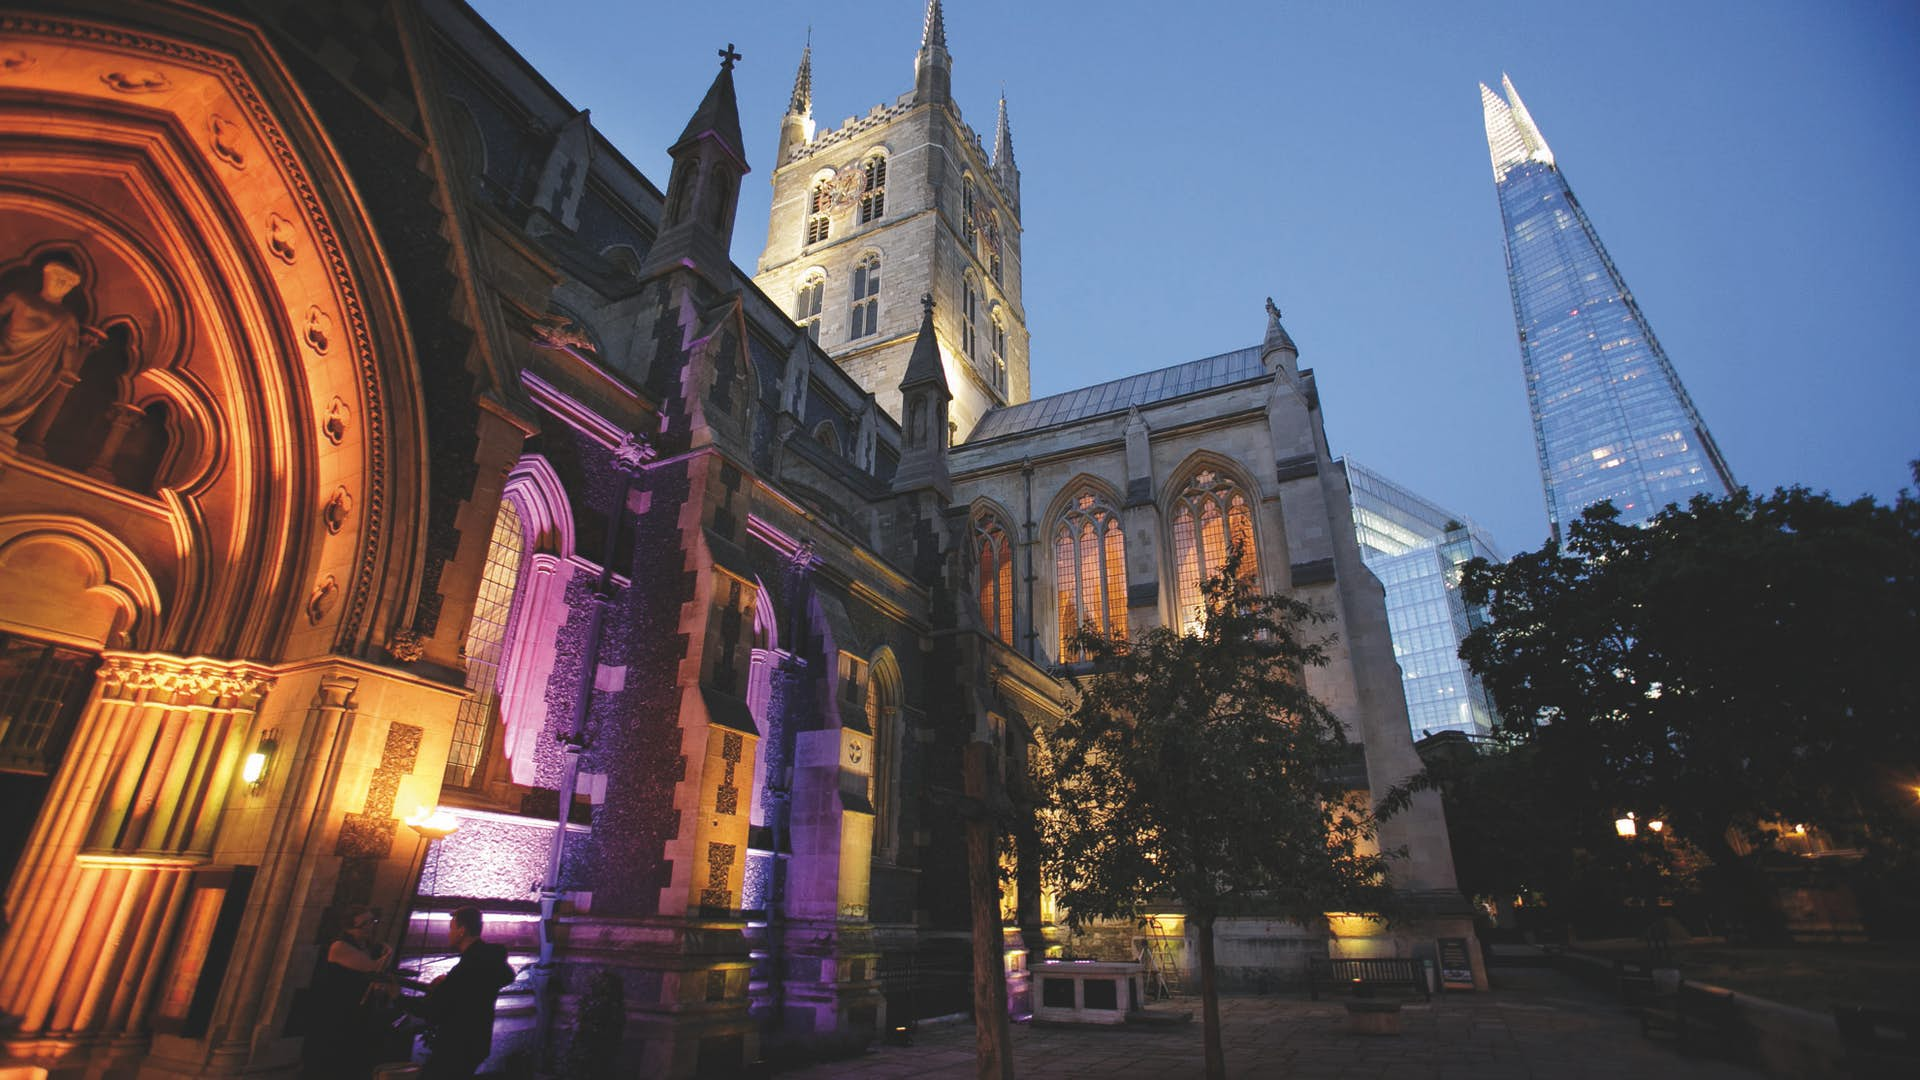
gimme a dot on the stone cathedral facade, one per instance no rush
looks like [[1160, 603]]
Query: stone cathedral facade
[[375, 438]]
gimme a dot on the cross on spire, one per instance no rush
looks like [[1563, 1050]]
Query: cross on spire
[[728, 57]]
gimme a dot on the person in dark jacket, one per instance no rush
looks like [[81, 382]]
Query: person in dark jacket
[[340, 1042], [458, 1007]]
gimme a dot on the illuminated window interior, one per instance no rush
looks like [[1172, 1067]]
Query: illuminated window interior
[[1090, 572], [486, 638], [995, 557], [1210, 515]]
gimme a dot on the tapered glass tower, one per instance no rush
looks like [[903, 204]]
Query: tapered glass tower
[[1610, 418]]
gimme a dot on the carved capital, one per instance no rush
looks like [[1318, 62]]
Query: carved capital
[[128, 673], [633, 453]]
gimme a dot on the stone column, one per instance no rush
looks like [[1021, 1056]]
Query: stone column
[[131, 813]]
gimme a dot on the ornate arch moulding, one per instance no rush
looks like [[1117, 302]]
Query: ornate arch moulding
[[113, 570], [314, 262]]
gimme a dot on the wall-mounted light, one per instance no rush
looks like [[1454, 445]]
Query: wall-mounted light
[[1655, 825], [255, 769], [1625, 826]]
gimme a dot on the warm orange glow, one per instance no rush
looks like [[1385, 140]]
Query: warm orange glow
[[435, 824], [1656, 825], [1625, 826]]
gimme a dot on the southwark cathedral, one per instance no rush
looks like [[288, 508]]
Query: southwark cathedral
[[405, 503]]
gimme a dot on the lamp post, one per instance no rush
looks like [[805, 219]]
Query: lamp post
[[1629, 827], [429, 826]]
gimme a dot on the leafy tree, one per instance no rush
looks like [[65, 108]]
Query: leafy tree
[[1197, 766], [1731, 663]]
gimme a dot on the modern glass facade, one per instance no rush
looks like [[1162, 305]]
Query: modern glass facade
[[1610, 418], [1416, 548]]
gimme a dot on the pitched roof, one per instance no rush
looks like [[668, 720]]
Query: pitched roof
[[1212, 373]]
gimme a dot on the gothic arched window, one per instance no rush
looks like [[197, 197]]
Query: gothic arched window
[[994, 556], [998, 343], [1210, 515], [866, 297], [969, 311], [486, 641], [873, 188], [806, 304], [1090, 571], [883, 719], [819, 203], [990, 244], [966, 212]]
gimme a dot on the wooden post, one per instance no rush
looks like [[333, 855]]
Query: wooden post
[[992, 1038]]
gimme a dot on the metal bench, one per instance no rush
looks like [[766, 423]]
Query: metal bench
[[1392, 973]]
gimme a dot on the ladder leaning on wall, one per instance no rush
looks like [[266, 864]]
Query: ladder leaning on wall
[[1160, 959]]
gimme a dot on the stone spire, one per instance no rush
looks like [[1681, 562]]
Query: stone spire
[[933, 29], [923, 414], [1004, 169], [1278, 349], [801, 104], [932, 67], [796, 127]]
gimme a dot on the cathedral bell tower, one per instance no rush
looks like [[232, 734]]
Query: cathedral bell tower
[[903, 201]]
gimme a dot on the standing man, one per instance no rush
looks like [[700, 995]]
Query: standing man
[[458, 1007]]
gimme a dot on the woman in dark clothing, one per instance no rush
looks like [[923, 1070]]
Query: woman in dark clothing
[[340, 1040], [458, 1007]]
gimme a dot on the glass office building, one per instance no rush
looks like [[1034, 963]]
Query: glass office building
[[1415, 548], [1610, 418]]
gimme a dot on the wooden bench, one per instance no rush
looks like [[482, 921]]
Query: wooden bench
[[1394, 973], [1878, 1042]]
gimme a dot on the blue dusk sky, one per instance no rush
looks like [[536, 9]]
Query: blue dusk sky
[[1748, 163]]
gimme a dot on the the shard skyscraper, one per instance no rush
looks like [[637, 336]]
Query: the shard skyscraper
[[1610, 418]]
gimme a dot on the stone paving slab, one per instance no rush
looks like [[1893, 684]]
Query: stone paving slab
[[1539, 1024]]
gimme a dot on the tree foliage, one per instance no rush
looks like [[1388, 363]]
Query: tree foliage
[[1732, 663], [1197, 766]]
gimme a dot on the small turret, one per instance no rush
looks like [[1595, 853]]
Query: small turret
[[1278, 352], [923, 414], [932, 67], [704, 189]]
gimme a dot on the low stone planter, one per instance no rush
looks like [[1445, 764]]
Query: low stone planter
[[1368, 1017]]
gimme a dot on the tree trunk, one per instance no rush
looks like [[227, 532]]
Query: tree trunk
[[991, 1036], [1210, 1003]]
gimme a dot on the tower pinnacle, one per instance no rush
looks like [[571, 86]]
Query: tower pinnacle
[[801, 104], [933, 30], [1003, 138], [932, 67]]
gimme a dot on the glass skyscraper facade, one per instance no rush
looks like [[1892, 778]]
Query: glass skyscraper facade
[[1610, 418], [1416, 548]]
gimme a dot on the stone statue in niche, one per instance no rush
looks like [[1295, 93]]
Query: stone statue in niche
[[43, 334]]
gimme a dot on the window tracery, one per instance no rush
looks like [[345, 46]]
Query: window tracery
[[1210, 515], [1090, 575], [994, 559]]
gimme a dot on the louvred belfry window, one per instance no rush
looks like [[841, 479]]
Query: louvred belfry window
[[1210, 515], [995, 558], [1090, 572], [873, 188], [819, 203]]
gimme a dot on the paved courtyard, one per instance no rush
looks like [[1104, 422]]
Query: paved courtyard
[[1538, 1024]]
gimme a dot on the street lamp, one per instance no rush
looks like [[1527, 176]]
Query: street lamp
[[429, 825]]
